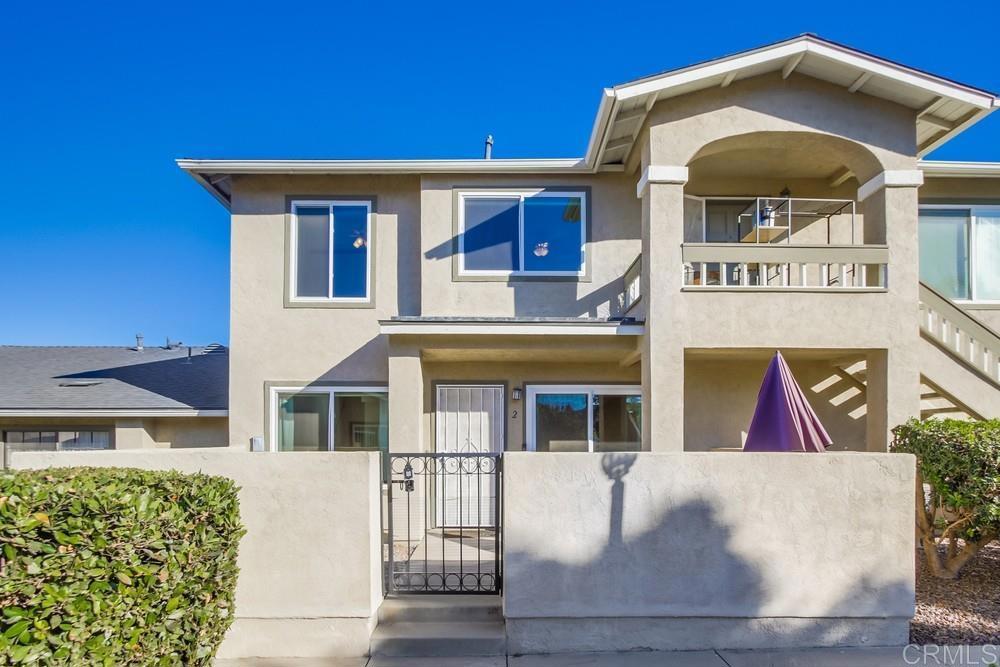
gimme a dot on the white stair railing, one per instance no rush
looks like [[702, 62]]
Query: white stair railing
[[964, 337]]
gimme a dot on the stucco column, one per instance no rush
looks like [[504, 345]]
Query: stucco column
[[406, 397], [133, 434], [661, 189], [890, 206]]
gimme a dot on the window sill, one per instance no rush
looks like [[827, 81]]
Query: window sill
[[978, 305], [520, 278], [328, 303]]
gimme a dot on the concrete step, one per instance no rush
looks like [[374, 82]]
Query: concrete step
[[440, 609], [439, 639]]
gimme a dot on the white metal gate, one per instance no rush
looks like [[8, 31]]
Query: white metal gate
[[470, 420]]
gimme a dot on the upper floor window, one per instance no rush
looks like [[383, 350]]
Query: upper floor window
[[526, 233], [960, 251], [330, 251]]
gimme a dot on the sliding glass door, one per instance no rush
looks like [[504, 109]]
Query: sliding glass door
[[584, 418]]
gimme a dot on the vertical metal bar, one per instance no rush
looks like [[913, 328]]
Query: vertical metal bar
[[498, 523], [479, 520], [427, 518], [461, 514], [439, 501]]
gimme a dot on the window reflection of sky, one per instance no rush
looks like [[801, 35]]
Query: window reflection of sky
[[563, 401]]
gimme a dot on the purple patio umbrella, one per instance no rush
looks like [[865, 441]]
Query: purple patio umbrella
[[784, 421]]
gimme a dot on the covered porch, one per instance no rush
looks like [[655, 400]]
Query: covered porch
[[845, 387], [513, 384]]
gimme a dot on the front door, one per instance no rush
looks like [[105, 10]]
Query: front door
[[470, 420]]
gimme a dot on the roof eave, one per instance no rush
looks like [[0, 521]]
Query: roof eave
[[112, 412], [949, 169], [807, 44]]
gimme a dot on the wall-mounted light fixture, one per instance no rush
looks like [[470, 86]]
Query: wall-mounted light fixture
[[515, 394]]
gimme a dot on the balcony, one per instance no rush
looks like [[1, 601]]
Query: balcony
[[780, 243]]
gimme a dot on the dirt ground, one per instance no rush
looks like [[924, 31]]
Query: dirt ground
[[962, 611]]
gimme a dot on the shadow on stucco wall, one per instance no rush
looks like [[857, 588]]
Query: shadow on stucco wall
[[688, 565]]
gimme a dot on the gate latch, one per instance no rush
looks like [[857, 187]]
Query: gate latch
[[407, 483]]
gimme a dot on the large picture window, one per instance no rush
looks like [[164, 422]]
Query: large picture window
[[960, 251], [530, 233], [330, 251], [584, 418], [317, 419]]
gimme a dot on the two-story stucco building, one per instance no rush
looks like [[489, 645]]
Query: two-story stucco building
[[612, 316], [629, 299]]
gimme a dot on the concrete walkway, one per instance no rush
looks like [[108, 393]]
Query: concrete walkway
[[820, 657]]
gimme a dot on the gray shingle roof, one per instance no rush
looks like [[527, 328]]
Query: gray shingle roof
[[113, 378]]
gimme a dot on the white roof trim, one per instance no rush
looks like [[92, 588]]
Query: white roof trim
[[513, 328], [556, 165], [948, 169], [84, 412], [802, 45]]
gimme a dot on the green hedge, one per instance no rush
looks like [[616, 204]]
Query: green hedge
[[114, 566]]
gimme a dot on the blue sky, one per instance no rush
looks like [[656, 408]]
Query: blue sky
[[104, 237]]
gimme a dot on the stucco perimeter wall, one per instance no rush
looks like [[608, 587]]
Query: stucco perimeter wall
[[707, 550], [309, 582]]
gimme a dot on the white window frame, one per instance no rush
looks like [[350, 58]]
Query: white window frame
[[330, 391], [293, 277], [974, 211], [521, 195], [590, 389]]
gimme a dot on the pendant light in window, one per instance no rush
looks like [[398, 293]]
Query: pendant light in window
[[541, 249]]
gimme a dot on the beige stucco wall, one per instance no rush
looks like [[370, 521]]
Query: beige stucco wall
[[988, 315], [179, 432], [310, 578], [614, 226], [969, 190], [269, 342], [882, 133], [720, 396], [707, 550]]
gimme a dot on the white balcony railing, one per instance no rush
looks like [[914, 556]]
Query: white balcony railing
[[734, 266], [633, 287]]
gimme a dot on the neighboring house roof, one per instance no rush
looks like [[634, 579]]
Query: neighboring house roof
[[113, 381], [944, 107]]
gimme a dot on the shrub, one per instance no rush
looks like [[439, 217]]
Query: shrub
[[960, 462], [113, 566]]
